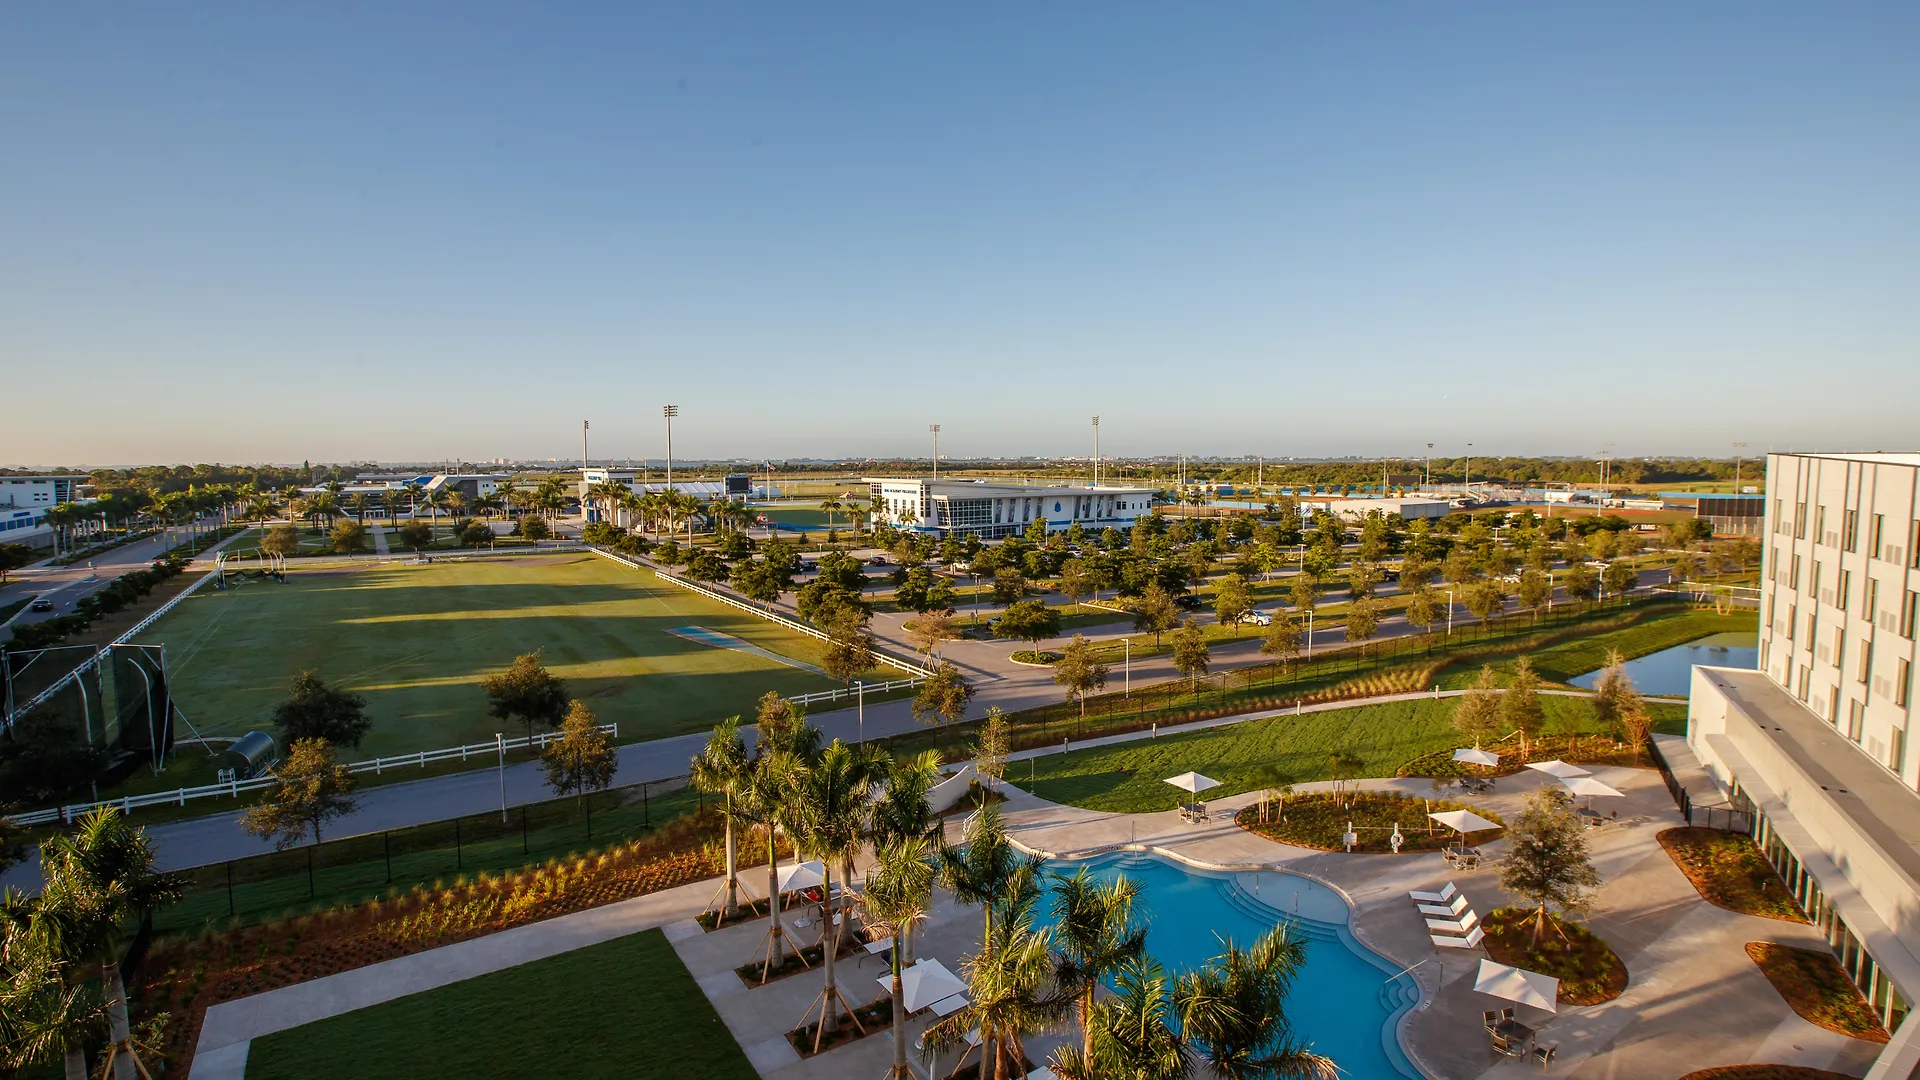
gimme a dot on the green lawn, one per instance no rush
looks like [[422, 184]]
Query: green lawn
[[416, 640], [620, 1009], [1127, 777]]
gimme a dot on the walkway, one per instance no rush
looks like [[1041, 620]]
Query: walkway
[[380, 539]]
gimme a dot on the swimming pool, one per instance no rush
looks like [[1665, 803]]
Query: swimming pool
[[1341, 1002]]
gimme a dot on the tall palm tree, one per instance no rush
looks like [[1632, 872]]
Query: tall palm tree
[[899, 894], [359, 501], [1009, 983], [832, 795], [1132, 1034], [1097, 937], [1233, 1012], [723, 768], [903, 813], [508, 491], [43, 1016], [99, 879], [832, 507], [986, 869]]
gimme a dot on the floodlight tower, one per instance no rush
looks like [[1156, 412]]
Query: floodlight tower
[[670, 412], [935, 428], [1096, 451]]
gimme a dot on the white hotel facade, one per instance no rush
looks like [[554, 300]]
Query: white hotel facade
[[1817, 744], [993, 511]]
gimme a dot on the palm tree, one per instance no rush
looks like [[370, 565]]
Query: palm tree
[[723, 768], [43, 1017], [1009, 982], [831, 797], [899, 894], [986, 869], [832, 507], [508, 492], [1132, 1036], [1097, 936], [902, 811], [100, 878], [359, 502], [1233, 1012]]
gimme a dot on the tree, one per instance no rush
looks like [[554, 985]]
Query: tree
[[535, 528], [1618, 705], [1343, 768], [1077, 580], [1131, 1035], [1520, 706], [1535, 591], [723, 768], [1547, 861], [899, 894], [1276, 783], [311, 790], [849, 647], [1079, 672], [582, 759], [527, 692], [1485, 599], [831, 796], [990, 755], [1232, 600], [1097, 936], [932, 628], [1424, 609], [476, 533], [757, 580], [1233, 1011], [1008, 585], [1282, 638], [1190, 654], [1155, 612], [1580, 582], [281, 540], [1031, 621], [1305, 591], [1363, 619], [940, 597], [43, 1016], [417, 535], [706, 566], [313, 710], [1362, 578], [1620, 577], [13, 557], [914, 585], [99, 882], [1476, 714], [943, 697]]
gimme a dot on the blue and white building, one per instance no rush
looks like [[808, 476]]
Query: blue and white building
[[992, 510], [25, 500]]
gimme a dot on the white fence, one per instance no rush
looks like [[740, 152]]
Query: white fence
[[179, 796], [712, 594], [846, 693]]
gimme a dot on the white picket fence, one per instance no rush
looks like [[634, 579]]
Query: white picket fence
[[773, 617], [849, 693], [180, 796]]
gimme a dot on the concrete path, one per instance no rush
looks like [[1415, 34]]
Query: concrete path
[[379, 539]]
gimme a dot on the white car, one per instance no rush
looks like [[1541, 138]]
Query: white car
[[1257, 618]]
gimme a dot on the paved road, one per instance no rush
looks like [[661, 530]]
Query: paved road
[[68, 585]]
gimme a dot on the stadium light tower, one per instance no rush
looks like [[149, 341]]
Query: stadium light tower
[[584, 425], [670, 412], [935, 428], [1096, 450]]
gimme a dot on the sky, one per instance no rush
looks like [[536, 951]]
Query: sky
[[389, 231]]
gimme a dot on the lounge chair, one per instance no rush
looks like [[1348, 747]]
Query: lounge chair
[[1440, 897], [1543, 1055], [1466, 923], [1454, 909], [1467, 942]]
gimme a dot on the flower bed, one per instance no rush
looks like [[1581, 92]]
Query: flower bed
[[793, 962], [869, 1019], [1580, 749], [1031, 658], [1815, 986], [1729, 872], [1318, 820], [1590, 972]]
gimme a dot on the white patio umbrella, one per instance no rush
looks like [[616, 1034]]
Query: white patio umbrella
[[1193, 782], [924, 983], [806, 875], [1518, 985], [1587, 786], [1557, 768], [1476, 756], [1463, 822]]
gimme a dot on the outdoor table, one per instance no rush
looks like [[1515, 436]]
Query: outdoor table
[[1515, 1032]]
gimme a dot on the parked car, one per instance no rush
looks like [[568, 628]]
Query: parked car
[[1187, 600], [877, 560], [1598, 564], [40, 603], [1257, 618]]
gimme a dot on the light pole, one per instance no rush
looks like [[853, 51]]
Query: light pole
[[583, 443], [1096, 450], [1126, 667], [670, 412], [1469, 469], [1737, 448], [1449, 612], [935, 428], [976, 598], [1429, 466], [860, 688], [500, 741], [1309, 633]]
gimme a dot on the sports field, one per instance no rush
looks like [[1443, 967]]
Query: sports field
[[417, 639]]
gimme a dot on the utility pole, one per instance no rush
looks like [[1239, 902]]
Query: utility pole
[[1738, 448], [670, 412], [583, 443], [935, 428], [1469, 469], [1429, 466], [1096, 450]]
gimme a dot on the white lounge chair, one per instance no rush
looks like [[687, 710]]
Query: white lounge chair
[[1466, 923], [1452, 910], [1440, 897], [1467, 942]]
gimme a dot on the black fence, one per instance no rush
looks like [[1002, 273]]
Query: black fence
[[1725, 818], [357, 868]]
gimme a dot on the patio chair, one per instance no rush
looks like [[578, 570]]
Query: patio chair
[[1507, 1047], [1468, 942], [1466, 924], [1488, 1019], [1543, 1055], [1440, 897], [1449, 910]]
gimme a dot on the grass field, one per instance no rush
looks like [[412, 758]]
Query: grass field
[[1127, 777], [1568, 659], [634, 1011], [417, 639]]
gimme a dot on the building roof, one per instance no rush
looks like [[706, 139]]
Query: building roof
[[983, 489], [1870, 457]]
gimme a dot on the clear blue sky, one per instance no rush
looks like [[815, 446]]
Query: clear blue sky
[[248, 232]]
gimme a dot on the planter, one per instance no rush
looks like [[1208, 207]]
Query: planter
[[873, 1018]]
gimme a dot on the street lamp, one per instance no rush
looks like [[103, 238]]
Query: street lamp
[[1469, 468], [1126, 669], [1449, 612], [1737, 448], [935, 428], [1096, 450], [860, 688], [670, 412], [1309, 633], [1429, 466], [500, 741]]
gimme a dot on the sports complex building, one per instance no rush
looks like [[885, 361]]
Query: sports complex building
[[1813, 751], [994, 510]]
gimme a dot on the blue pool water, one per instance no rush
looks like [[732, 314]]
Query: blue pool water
[[1342, 1001], [1670, 671]]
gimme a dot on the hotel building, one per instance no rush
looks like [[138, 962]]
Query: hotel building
[[992, 511]]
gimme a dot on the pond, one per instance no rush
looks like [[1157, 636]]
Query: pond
[[1669, 672]]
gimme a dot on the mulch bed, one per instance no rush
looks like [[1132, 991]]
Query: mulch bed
[[875, 1016], [1590, 972], [1575, 750], [1767, 1073], [1816, 986], [1317, 821], [790, 962], [749, 911], [1729, 871]]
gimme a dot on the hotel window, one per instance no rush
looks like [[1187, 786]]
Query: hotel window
[[1913, 547], [1876, 533], [1806, 683], [1800, 521], [1866, 660], [1856, 719], [1909, 613], [1897, 753], [1845, 587], [1792, 617], [1902, 681], [1819, 524], [1813, 627], [1813, 581], [1850, 530], [1779, 516], [1793, 574], [1872, 599]]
